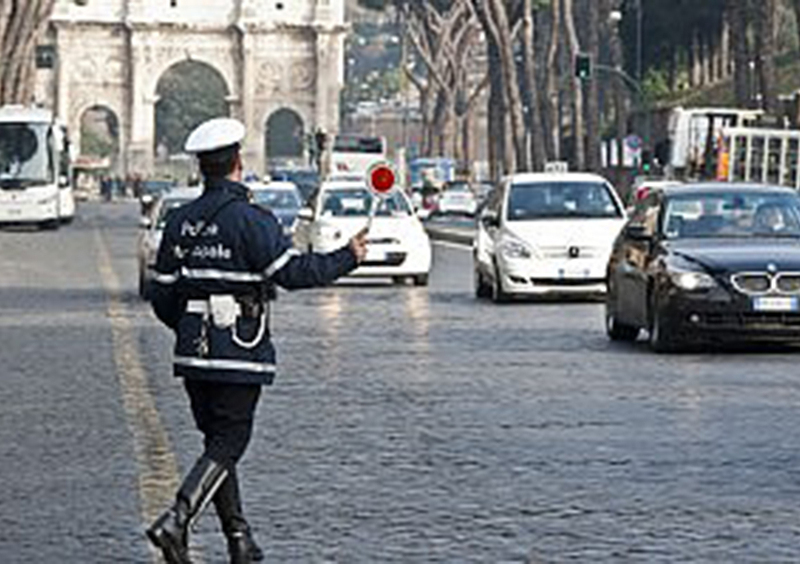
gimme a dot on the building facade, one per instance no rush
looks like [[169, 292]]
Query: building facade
[[281, 62]]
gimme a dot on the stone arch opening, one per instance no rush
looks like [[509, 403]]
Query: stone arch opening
[[284, 137], [188, 93], [100, 137]]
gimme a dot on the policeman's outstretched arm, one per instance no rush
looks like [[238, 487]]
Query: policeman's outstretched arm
[[272, 252]]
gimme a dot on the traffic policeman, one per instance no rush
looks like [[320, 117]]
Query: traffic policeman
[[217, 267]]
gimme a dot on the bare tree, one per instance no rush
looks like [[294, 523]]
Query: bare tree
[[22, 23], [593, 94], [766, 50], [538, 154], [577, 87], [553, 77]]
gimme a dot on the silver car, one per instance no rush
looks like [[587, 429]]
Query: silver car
[[152, 228]]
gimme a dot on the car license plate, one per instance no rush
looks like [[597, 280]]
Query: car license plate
[[15, 212], [375, 255], [775, 303], [572, 274]]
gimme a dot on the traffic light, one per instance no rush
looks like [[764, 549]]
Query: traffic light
[[647, 161], [583, 66]]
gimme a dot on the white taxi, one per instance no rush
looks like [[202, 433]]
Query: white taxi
[[546, 233], [398, 246]]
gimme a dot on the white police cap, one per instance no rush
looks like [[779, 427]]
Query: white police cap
[[215, 134]]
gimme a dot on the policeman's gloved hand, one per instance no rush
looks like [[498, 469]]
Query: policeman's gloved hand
[[358, 244]]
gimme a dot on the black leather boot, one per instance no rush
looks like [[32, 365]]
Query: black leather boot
[[242, 549], [170, 531]]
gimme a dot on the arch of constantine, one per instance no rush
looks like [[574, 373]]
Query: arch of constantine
[[281, 62]]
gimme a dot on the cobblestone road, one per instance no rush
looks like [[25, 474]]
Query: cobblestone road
[[407, 425]]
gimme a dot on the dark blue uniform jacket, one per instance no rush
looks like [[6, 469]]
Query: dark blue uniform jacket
[[220, 244]]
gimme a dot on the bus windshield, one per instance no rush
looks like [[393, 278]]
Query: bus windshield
[[24, 156]]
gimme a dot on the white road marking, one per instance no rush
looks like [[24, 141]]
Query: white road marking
[[157, 466]]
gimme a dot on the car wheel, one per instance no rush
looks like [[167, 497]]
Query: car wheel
[[421, 280], [499, 295], [619, 331], [660, 340], [399, 280], [482, 288]]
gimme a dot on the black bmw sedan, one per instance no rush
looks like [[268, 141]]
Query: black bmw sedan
[[707, 262]]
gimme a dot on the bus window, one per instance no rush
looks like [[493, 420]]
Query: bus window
[[774, 161], [791, 162], [739, 159], [358, 144]]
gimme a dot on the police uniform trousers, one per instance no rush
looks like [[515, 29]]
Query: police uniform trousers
[[224, 414]]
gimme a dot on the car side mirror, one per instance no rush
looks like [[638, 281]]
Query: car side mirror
[[145, 222], [306, 214], [491, 219], [636, 232]]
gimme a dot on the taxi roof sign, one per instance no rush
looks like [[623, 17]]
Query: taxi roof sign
[[381, 179], [556, 167]]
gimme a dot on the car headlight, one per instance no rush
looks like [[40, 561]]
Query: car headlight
[[692, 281], [513, 249]]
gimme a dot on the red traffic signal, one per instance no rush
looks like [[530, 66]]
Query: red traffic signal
[[381, 179]]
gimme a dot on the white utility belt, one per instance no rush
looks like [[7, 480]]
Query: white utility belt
[[223, 310]]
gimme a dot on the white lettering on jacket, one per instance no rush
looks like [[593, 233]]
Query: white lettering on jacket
[[199, 229], [218, 251]]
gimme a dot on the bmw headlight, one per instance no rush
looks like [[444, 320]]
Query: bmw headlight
[[691, 280], [514, 249]]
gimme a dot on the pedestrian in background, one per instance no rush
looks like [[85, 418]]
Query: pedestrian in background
[[216, 271]]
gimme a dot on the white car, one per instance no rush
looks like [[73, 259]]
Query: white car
[[457, 200], [542, 233], [398, 246], [152, 229]]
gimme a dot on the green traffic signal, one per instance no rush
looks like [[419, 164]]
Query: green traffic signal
[[583, 66]]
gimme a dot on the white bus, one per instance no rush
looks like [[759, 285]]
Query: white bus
[[352, 155], [35, 175]]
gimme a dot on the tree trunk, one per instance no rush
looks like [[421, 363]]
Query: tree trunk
[[577, 88], [766, 50], [796, 6], [538, 155], [501, 30], [501, 156], [593, 98], [21, 24], [737, 14], [553, 78]]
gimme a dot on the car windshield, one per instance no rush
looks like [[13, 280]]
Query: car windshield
[[558, 200], [277, 199], [732, 214], [168, 208], [24, 156], [358, 202]]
